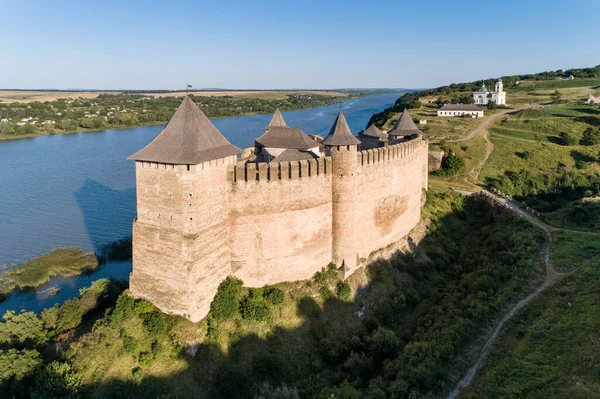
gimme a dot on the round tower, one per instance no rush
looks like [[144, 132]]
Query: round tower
[[342, 146]]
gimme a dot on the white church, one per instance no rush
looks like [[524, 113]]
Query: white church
[[483, 96]]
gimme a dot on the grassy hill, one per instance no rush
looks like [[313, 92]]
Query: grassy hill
[[392, 331]]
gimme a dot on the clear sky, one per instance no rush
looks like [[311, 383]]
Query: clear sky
[[255, 44]]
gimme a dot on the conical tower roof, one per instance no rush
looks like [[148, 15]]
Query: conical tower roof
[[279, 135], [189, 138], [340, 133], [405, 126], [277, 120], [373, 131]]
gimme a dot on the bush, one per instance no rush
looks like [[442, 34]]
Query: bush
[[58, 380], [568, 139], [281, 392], [343, 290], [590, 137], [255, 308], [452, 164], [491, 105], [225, 304], [22, 330], [274, 295]]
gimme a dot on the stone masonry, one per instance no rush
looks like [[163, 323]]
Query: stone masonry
[[267, 223]]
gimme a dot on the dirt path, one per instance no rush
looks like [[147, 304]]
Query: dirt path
[[551, 274], [551, 277]]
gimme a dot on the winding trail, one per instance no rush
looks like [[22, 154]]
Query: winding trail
[[552, 275]]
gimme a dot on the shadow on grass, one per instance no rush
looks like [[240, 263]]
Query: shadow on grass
[[581, 156]]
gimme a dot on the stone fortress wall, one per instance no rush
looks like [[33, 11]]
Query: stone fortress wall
[[203, 215], [267, 223]]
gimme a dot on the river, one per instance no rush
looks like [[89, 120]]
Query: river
[[79, 189]]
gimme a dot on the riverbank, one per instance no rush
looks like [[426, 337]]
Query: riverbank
[[64, 262], [121, 111]]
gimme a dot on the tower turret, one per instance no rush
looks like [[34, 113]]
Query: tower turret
[[181, 233], [342, 145], [499, 86]]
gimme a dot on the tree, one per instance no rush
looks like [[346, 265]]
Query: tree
[[590, 137], [491, 105], [6, 128], [58, 380], [22, 330], [568, 139], [556, 96]]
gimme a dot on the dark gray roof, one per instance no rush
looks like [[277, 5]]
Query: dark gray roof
[[340, 133], [460, 107], [373, 131], [286, 137], [290, 155], [189, 138], [367, 142], [277, 120], [405, 126], [279, 135]]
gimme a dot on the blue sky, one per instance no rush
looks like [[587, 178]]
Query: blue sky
[[288, 44]]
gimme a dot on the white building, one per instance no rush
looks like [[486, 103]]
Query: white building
[[460, 110], [483, 96]]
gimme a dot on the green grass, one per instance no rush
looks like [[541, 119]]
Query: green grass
[[550, 349], [554, 85], [66, 262], [536, 132], [570, 249]]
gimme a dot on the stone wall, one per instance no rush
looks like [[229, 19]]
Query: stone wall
[[269, 223], [280, 220], [389, 186]]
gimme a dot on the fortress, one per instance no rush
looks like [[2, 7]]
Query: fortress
[[204, 214]]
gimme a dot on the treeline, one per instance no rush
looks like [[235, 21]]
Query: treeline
[[550, 191], [122, 110], [451, 92]]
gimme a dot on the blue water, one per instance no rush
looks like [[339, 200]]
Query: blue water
[[79, 189]]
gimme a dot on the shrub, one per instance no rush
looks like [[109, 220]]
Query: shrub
[[22, 330], [452, 164], [225, 304], [491, 105], [145, 358], [58, 380], [129, 344], [590, 137], [267, 391], [69, 316], [254, 307], [325, 293], [273, 295], [137, 375], [343, 290], [155, 322], [568, 139]]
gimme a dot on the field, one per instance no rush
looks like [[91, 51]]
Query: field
[[27, 96]]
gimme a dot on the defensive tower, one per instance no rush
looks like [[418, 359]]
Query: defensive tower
[[342, 145], [181, 234]]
